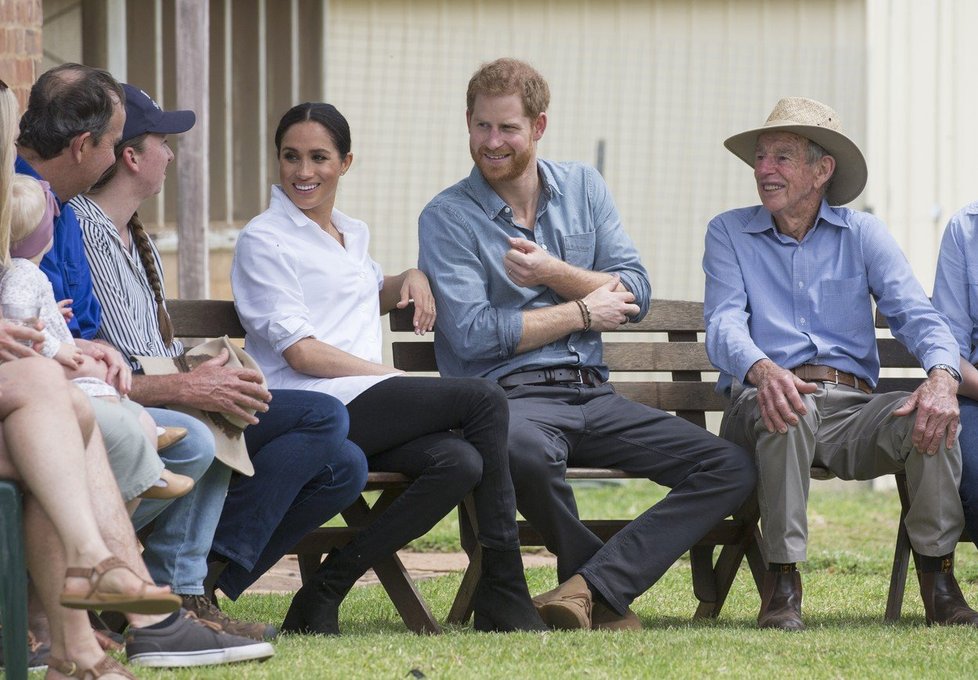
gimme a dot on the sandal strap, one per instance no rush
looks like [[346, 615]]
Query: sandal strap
[[108, 564], [106, 665], [69, 668], [94, 574]]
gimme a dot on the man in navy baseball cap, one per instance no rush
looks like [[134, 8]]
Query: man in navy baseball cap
[[144, 115]]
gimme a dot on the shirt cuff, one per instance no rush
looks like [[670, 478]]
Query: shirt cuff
[[286, 332]]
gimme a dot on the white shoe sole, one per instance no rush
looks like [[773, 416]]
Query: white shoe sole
[[260, 651]]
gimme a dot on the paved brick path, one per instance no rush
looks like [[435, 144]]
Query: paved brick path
[[284, 576]]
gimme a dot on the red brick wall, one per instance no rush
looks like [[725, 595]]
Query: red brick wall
[[20, 44]]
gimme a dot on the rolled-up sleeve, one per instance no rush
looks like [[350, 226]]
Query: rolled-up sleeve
[[449, 256], [267, 293]]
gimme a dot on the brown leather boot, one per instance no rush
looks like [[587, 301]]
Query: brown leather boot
[[944, 604], [781, 601]]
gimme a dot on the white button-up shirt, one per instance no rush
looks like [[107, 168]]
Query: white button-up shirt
[[291, 280]]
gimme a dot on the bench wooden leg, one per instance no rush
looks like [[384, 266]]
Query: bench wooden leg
[[390, 571], [393, 576], [712, 583], [756, 560], [901, 556], [468, 528]]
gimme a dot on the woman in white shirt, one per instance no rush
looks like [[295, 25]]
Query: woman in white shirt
[[310, 298]]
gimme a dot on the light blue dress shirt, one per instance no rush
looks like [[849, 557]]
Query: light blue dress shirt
[[809, 302], [956, 283], [464, 234]]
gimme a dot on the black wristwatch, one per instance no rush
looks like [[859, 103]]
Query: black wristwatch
[[950, 369]]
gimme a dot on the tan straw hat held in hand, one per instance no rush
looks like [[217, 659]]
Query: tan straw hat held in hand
[[819, 123], [228, 429]]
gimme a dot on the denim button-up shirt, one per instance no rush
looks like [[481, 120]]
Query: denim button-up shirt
[[956, 283], [809, 302], [464, 234]]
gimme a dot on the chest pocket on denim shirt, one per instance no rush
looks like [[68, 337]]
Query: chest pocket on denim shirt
[[579, 249], [845, 305]]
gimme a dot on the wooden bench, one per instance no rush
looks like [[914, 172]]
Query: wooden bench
[[211, 318], [661, 362], [674, 374]]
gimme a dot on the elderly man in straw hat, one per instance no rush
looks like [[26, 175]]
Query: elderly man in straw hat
[[789, 323]]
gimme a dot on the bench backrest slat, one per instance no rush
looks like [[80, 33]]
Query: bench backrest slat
[[677, 376], [672, 374]]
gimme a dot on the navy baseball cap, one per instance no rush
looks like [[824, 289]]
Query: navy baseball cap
[[145, 115]]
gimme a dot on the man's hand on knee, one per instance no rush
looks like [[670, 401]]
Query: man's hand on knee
[[936, 404], [778, 395]]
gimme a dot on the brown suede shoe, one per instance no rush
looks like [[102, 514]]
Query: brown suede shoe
[[944, 604], [566, 607], [606, 618], [781, 601], [205, 610]]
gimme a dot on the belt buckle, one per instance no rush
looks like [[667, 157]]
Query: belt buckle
[[836, 376]]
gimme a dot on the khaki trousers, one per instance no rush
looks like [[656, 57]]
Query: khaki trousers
[[855, 436]]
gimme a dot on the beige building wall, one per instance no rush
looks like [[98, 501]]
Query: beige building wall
[[659, 84], [923, 141]]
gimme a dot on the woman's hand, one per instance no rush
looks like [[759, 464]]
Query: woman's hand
[[13, 335], [414, 286]]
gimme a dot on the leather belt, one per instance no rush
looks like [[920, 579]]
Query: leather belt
[[559, 375], [820, 373]]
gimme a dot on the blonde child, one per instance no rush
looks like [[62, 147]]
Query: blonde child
[[33, 209]]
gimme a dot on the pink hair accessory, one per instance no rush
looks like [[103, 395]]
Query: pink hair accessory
[[37, 240]]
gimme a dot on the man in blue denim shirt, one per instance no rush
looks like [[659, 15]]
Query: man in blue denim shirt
[[529, 264], [789, 323]]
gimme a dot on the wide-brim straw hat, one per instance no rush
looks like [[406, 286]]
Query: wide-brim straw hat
[[228, 429], [819, 123]]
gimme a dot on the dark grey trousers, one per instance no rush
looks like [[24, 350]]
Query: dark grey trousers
[[552, 428]]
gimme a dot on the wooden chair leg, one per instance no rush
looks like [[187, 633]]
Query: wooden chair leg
[[13, 575]]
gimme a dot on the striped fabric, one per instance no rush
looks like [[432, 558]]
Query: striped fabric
[[128, 309]]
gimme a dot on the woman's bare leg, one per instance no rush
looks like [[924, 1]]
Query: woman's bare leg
[[44, 444]]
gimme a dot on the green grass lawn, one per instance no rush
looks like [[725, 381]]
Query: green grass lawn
[[846, 578]]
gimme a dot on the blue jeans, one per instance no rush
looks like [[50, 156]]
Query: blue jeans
[[176, 552], [306, 471], [968, 438]]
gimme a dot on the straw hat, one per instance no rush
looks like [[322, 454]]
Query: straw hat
[[228, 429], [819, 123]]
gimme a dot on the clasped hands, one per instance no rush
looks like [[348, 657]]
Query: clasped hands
[[528, 265]]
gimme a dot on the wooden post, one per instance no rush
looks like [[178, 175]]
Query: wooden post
[[193, 178]]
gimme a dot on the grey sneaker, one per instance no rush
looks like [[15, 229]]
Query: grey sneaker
[[188, 641], [206, 610], [37, 653]]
